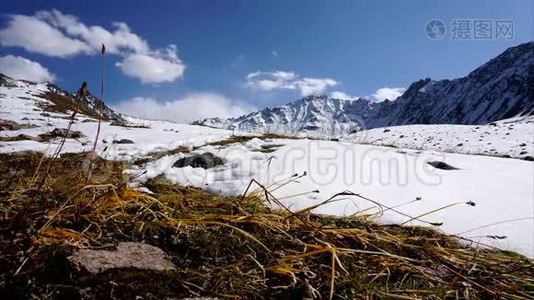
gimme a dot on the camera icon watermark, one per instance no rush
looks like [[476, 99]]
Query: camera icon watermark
[[435, 29]]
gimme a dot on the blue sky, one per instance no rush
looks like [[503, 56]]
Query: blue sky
[[354, 47]]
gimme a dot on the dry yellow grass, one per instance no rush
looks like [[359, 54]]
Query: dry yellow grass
[[234, 247]]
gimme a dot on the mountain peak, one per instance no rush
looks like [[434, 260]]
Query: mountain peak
[[315, 97]]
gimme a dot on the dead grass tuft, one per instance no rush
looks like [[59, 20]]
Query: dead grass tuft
[[269, 148], [245, 138]]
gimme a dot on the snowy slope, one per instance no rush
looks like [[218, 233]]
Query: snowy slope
[[508, 138], [23, 102], [501, 188], [502, 88]]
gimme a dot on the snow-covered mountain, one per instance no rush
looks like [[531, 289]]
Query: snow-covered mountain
[[502, 88]]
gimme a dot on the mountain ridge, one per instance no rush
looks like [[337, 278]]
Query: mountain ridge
[[499, 89]]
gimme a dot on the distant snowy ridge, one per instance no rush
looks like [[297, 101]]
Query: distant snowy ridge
[[506, 138], [500, 89]]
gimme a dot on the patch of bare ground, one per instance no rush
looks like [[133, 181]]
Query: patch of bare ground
[[155, 155], [66, 104], [12, 125], [57, 133], [239, 139]]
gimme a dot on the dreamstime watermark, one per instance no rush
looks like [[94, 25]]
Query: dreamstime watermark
[[470, 29], [346, 164], [325, 163]]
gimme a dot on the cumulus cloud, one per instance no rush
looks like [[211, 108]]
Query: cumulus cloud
[[53, 33], [37, 36], [155, 68], [195, 106], [387, 93], [343, 96], [118, 40], [287, 80], [22, 68]]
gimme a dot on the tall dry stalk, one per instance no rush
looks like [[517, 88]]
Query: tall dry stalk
[[56, 153], [100, 114]]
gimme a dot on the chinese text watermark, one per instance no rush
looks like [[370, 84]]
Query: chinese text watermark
[[470, 29]]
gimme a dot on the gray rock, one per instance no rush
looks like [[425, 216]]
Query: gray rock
[[123, 141], [441, 165], [206, 161], [61, 132], [128, 255]]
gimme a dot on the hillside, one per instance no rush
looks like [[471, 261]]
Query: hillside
[[52, 99]]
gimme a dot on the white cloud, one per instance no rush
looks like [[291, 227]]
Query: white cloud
[[269, 81], [378, 96], [53, 33], [310, 86], [153, 68], [117, 41], [37, 36], [195, 106], [21, 68], [387, 93], [343, 96], [274, 53]]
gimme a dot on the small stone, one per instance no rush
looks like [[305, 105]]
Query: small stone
[[441, 165]]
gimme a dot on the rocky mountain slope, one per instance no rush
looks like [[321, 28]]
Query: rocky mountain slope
[[35, 116], [52, 99], [502, 88]]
